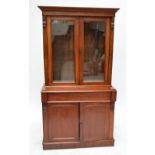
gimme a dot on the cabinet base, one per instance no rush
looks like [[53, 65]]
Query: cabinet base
[[62, 145]]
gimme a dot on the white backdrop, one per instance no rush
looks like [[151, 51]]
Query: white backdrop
[[139, 116], [37, 75]]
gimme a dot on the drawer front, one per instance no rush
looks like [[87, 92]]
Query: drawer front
[[79, 97]]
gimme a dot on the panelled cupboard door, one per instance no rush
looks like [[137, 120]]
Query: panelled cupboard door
[[63, 122], [95, 121]]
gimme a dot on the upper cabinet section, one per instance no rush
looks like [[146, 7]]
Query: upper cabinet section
[[78, 45]]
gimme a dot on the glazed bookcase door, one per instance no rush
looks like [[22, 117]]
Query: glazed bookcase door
[[64, 49], [93, 50], [78, 50]]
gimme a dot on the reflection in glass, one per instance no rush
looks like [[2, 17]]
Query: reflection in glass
[[63, 51], [94, 51]]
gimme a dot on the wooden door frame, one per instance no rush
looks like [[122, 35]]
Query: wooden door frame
[[48, 51], [107, 49]]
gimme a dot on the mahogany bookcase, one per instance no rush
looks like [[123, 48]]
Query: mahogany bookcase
[[77, 97]]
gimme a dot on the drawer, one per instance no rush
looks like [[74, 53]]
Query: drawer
[[78, 97]]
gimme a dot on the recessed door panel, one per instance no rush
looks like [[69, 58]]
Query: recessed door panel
[[95, 120], [63, 120]]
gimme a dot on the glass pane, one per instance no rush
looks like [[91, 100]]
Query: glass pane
[[63, 51], [94, 51]]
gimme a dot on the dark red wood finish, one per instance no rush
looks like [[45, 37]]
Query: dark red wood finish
[[78, 114]]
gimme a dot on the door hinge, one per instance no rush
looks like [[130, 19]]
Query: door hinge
[[44, 22], [112, 23], [44, 107], [112, 105]]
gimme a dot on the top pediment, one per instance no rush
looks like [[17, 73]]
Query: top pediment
[[77, 11]]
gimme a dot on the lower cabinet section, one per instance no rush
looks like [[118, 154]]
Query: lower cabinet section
[[80, 124]]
